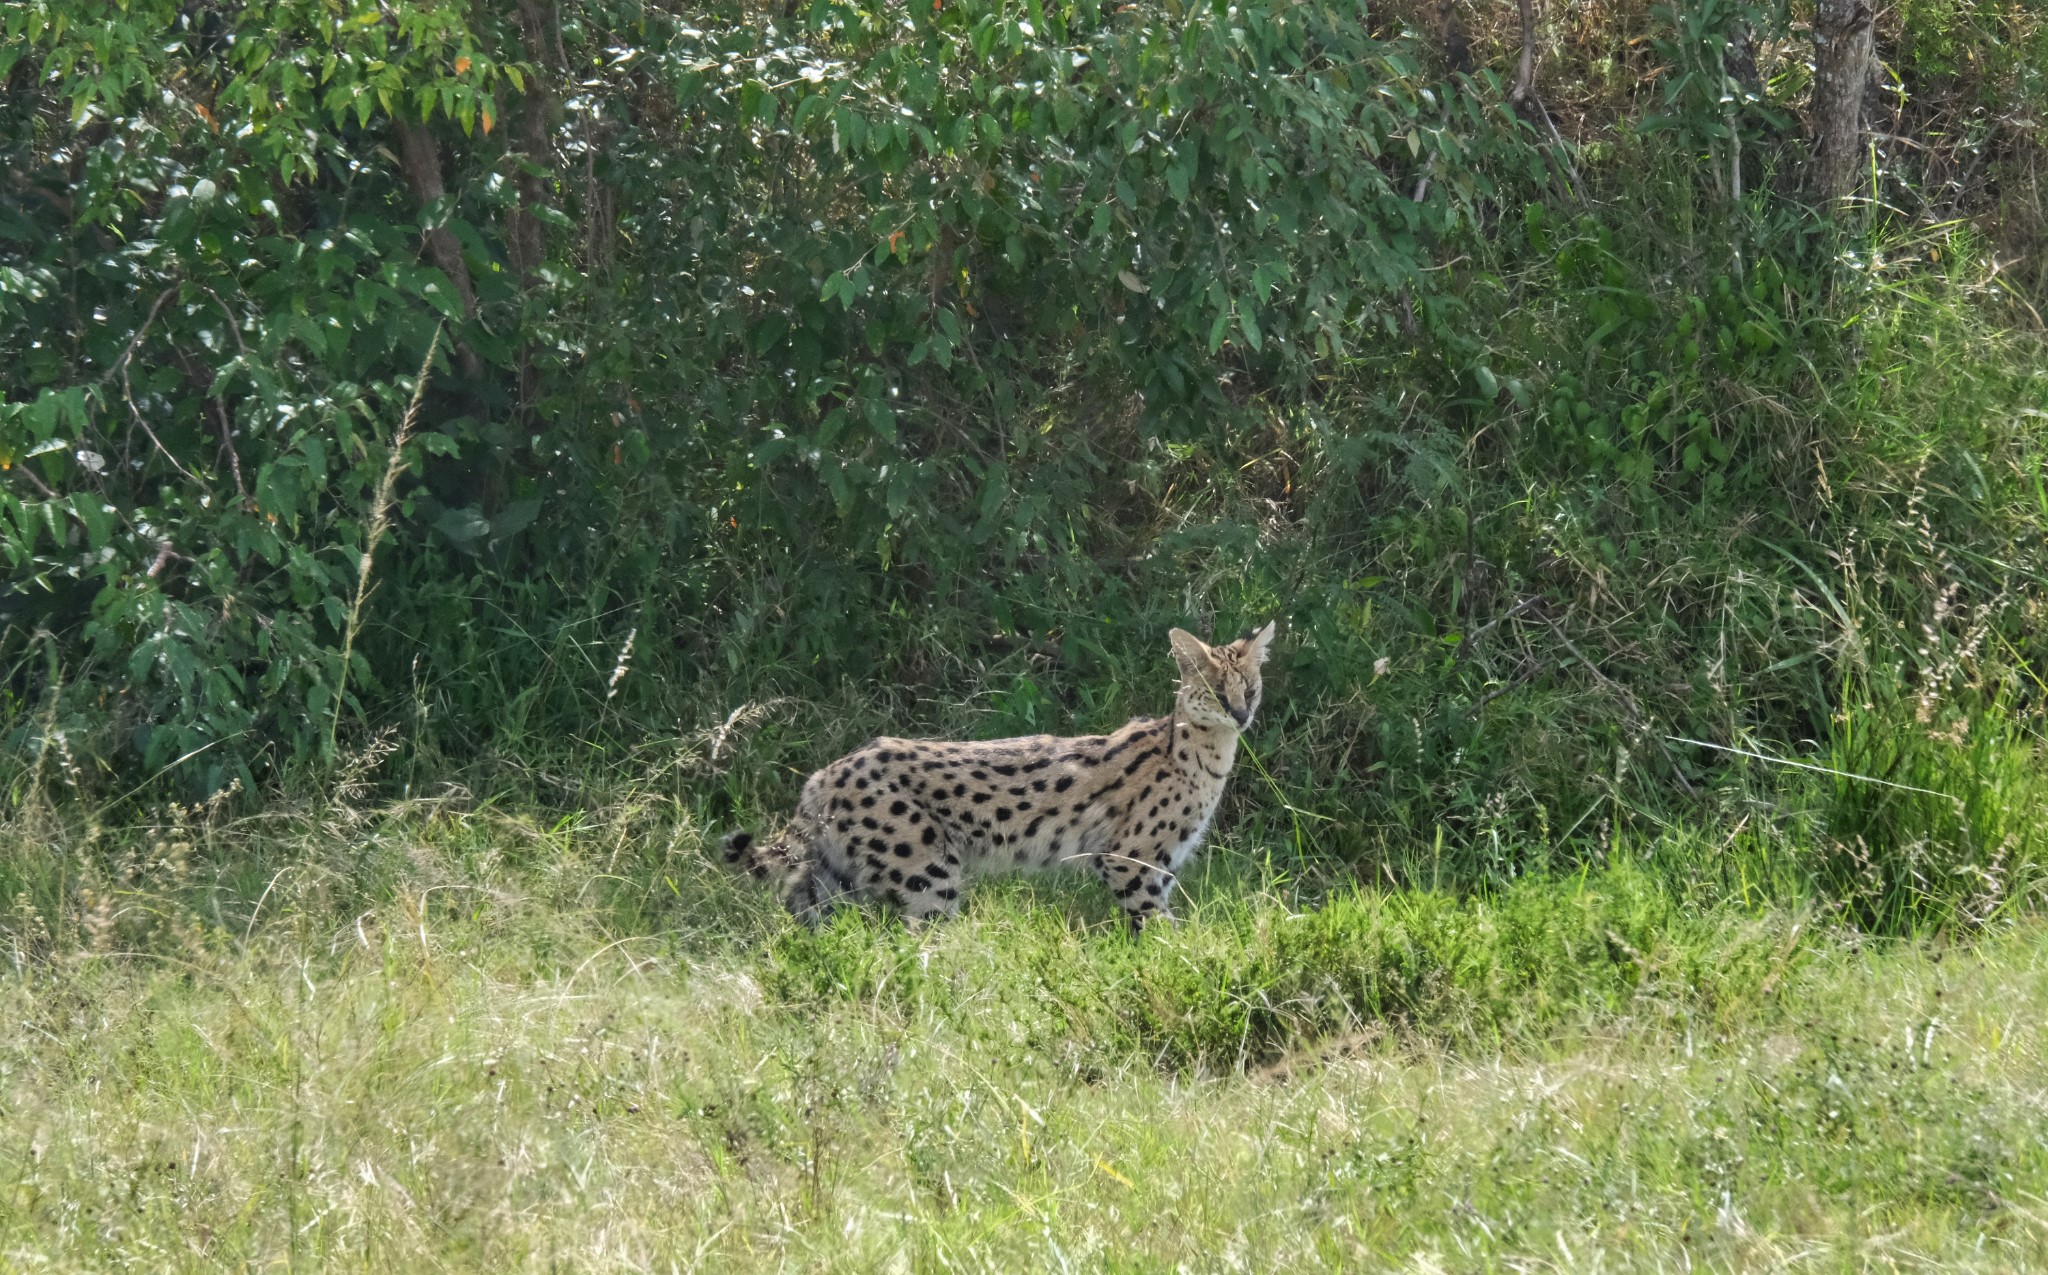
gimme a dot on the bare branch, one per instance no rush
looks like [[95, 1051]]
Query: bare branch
[[1525, 70]]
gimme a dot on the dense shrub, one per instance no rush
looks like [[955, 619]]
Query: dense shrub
[[736, 308], [951, 353]]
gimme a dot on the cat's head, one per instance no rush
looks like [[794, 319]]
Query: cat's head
[[1220, 685]]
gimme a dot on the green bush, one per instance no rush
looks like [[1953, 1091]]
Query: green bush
[[720, 366], [817, 373]]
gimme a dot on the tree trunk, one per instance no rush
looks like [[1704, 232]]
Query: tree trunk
[[1740, 60], [420, 155], [524, 243], [1457, 45], [1843, 45]]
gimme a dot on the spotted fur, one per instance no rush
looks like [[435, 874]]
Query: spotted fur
[[908, 821]]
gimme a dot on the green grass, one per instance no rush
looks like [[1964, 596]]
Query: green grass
[[444, 1036]]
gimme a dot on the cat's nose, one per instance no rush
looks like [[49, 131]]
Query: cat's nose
[[1243, 716]]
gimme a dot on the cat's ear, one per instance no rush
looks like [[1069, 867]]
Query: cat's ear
[[1259, 645], [1193, 655]]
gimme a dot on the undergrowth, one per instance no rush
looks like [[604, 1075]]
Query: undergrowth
[[1545, 457]]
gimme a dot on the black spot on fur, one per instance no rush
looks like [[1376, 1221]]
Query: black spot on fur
[[1066, 782]]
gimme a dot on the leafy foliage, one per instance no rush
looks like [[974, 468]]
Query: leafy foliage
[[952, 353], [215, 285]]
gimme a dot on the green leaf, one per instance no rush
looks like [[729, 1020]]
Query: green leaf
[[464, 528], [514, 518], [435, 289], [881, 418]]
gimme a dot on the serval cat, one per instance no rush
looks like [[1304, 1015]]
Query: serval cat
[[907, 821]]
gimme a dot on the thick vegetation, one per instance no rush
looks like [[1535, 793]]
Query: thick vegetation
[[453, 459], [508, 377], [960, 348]]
